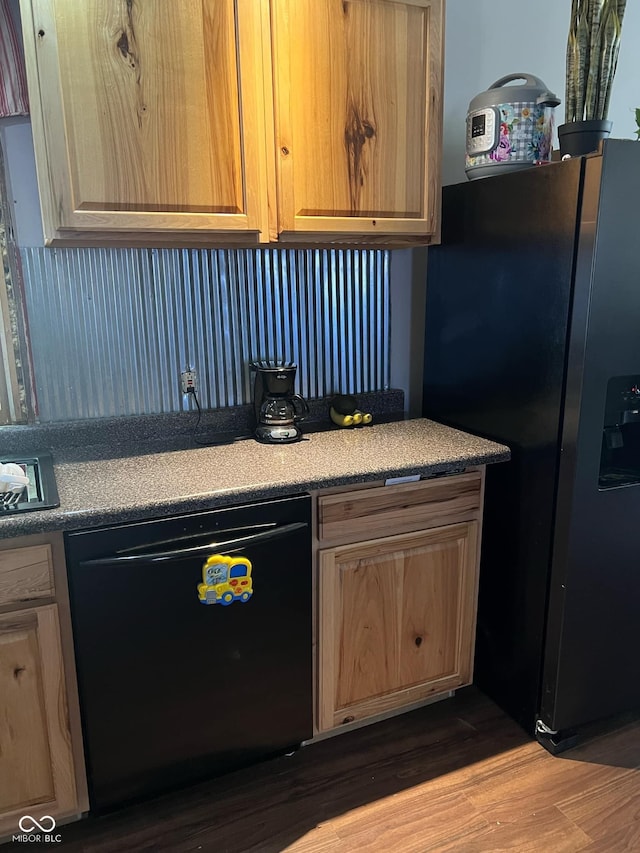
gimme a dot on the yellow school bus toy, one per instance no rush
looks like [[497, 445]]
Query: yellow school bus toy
[[225, 580]]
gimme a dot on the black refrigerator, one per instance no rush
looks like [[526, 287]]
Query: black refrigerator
[[532, 339]]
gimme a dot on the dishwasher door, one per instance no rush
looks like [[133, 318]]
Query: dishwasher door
[[173, 690]]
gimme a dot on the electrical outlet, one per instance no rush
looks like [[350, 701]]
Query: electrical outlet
[[188, 381]]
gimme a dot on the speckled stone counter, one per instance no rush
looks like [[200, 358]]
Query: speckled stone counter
[[98, 485]]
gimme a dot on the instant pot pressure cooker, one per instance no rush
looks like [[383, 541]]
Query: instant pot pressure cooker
[[510, 127]]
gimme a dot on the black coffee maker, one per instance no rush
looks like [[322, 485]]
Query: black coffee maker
[[277, 409]]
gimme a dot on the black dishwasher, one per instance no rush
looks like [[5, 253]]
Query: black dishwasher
[[193, 641]]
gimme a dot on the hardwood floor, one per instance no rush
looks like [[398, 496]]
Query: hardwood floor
[[456, 776]]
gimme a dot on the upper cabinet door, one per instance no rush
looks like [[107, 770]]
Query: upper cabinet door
[[358, 102], [149, 116]]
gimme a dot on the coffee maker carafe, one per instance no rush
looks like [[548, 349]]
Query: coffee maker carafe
[[277, 409]]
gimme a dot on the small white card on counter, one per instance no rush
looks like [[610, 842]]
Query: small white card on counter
[[410, 478]]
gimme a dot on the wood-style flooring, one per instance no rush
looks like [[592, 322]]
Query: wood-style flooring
[[455, 776]]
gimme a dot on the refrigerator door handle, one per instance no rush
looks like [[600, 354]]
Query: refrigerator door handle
[[233, 544]]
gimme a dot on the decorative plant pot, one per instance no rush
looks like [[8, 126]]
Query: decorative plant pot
[[582, 137]]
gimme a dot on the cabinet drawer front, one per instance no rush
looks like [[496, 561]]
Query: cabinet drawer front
[[398, 509], [26, 574]]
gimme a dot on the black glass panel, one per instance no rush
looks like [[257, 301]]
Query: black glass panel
[[620, 455]]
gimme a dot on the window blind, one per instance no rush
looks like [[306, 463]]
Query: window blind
[[13, 83]]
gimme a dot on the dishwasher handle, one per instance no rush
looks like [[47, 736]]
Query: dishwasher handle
[[234, 544]]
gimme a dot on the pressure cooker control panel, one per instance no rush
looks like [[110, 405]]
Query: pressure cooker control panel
[[483, 131]]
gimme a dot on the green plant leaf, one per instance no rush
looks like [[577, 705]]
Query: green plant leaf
[[593, 46], [572, 59], [609, 40]]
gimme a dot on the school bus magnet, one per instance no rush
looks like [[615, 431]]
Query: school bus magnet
[[225, 580]]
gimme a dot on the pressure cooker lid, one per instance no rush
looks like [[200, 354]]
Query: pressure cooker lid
[[533, 90]]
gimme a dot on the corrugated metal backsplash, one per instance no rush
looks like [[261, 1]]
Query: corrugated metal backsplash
[[111, 329]]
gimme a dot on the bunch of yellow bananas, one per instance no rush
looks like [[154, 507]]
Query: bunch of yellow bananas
[[344, 412], [353, 419]]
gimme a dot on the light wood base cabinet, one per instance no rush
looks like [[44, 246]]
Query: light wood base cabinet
[[397, 614], [36, 765], [41, 768]]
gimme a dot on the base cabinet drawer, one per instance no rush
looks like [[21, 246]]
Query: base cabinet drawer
[[37, 775], [366, 513], [26, 574]]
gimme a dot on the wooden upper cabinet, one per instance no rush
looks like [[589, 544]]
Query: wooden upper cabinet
[[358, 100], [222, 122], [149, 116]]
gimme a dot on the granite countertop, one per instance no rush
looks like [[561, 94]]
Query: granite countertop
[[103, 485]]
